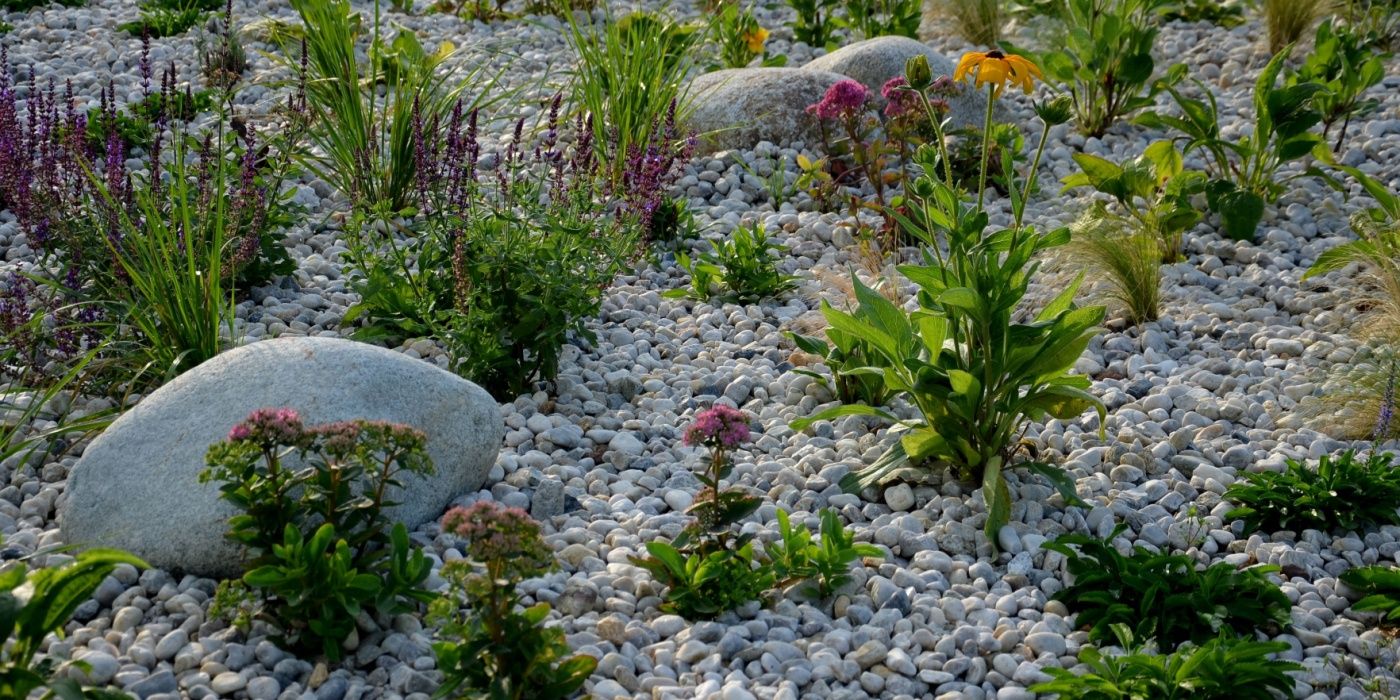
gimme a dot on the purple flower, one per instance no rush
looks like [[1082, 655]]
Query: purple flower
[[843, 100], [270, 427], [1387, 412], [900, 101], [718, 426]]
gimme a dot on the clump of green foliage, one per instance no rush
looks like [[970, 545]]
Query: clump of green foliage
[[816, 569], [36, 604], [1223, 668], [1225, 13], [1347, 492], [1285, 21], [312, 520], [857, 372], [1243, 172], [1105, 59], [1154, 189], [1164, 596], [741, 39], [486, 642], [818, 21], [162, 18], [978, 21], [1379, 587], [1346, 67], [742, 269], [1129, 261]]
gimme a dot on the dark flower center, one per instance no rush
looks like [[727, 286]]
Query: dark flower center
[[995, 54]]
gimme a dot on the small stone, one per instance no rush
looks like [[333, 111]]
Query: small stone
[[899, 497]]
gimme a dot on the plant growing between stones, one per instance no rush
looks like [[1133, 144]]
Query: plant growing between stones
[[816, 569], [974, 374], [486, 643], [36, 604], [1346, 67], [1243, 172], [742, 40], [162, 18], [741, 270], [1285, 21], [816, 22], [1129, 262], [1224, 13], [1223, 668], [1343, 493], [1164, 597], [1154, 189], [978, 21], [312, 498], [1379, 587]]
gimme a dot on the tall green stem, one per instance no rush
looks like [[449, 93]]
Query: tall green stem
[[986, 144]]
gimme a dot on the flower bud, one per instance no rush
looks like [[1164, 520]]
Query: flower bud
[[1055, 111], [917, 72]]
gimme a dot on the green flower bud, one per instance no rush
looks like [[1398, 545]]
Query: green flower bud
[[1055, 111], [917, 72]]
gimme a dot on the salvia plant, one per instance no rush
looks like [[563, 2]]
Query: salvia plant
[[312, 520], [975, 373], [506, 265], [1244, 172], [1346, 493], [488, 643], [1164, 596], [1223, 668], [37, 604]]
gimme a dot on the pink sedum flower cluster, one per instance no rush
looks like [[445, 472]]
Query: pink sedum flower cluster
[[269, 425], [843, 100], [496, 534], [719, 426]]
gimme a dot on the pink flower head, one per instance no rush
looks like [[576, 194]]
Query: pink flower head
[[273, 426], [899, 101], [495, 533], [843, 100], [718, 426]]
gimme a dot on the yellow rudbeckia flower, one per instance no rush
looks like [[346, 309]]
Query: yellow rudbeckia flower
[[997, 69], [755, 38]]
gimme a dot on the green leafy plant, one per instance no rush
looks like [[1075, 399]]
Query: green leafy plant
[[485, 642], [312, 520], [503, 269], [1243, 171], [741, 39], [1164, 596], [702, 584], [742, 270], [1379, 587], [1224, 668], [1106, 58], [1377, 251], [1377, 21], [1346, 67], [857, 372], [872, 18], [26, 5], [161, 18], [816, 569], [1343, 493], [1154, 190], [978, 21], [975, 374], [1285, 21], [36, 604], [1128, 261], [1225, 13], [628, 78], [815, 21]]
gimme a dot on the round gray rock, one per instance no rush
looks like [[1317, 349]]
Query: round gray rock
[[739, 107], [875, 61], [137, 485]]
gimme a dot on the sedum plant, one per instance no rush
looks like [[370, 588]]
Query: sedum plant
[[487, 643], [975, 372], [1164, 596], [312, 521], [1243, 172], [1346, 67], [1224, 668], [1348, 493], [1106, 60]]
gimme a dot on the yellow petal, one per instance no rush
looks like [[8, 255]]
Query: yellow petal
[[968, 60]]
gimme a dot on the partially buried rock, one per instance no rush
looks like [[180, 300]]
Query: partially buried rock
[[874, 61], [137, 485], [739, 107]]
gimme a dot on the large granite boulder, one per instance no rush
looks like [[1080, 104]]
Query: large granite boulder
[[137, 485], [739, 107], [875, 61]]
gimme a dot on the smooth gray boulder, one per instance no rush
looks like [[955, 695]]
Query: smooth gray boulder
[[739, 107], [137, 487], [875, 61]]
